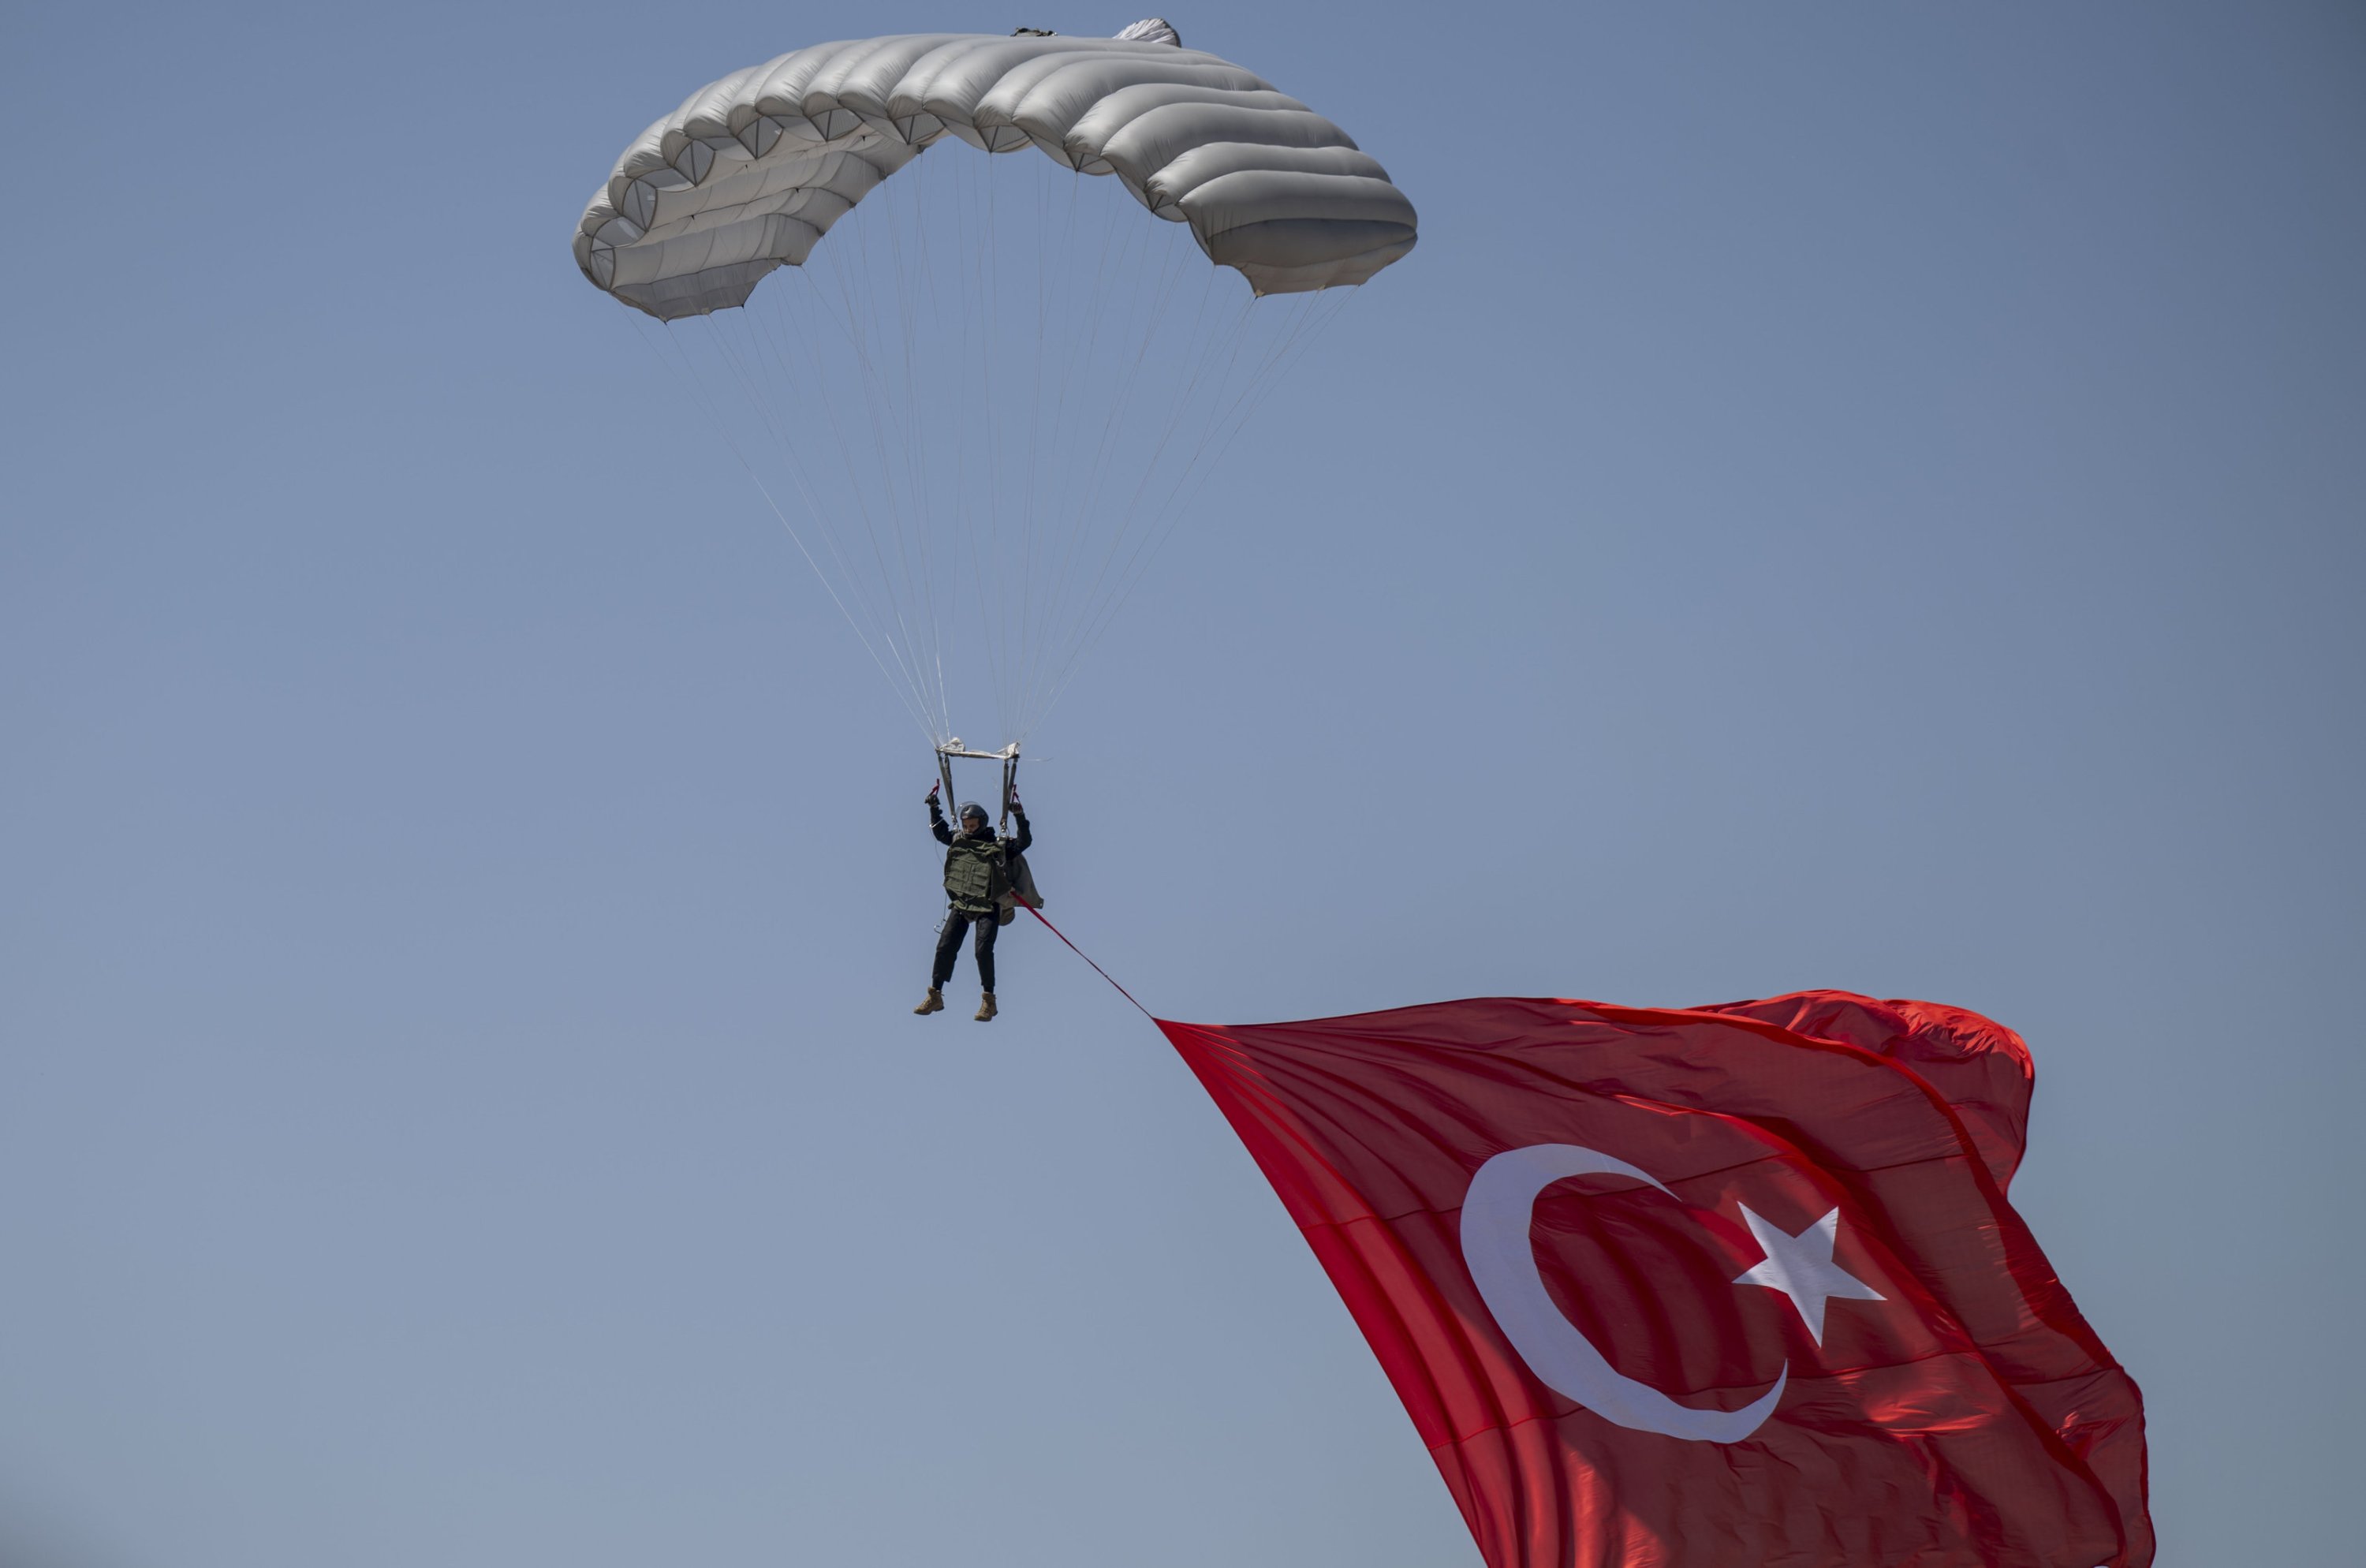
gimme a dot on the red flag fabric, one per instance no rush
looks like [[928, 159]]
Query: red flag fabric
[[1705, 1288]]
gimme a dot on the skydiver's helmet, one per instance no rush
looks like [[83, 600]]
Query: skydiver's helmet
[[972, 808]]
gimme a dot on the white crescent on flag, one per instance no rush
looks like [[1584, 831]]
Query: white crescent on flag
[[1503, 1263]]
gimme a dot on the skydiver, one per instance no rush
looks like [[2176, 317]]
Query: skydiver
[[977, 878]]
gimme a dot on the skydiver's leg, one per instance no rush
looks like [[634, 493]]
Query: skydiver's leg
[[949, 941], [988, 928]]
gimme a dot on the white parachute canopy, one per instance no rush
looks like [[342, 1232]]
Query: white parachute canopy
[[980, 408]]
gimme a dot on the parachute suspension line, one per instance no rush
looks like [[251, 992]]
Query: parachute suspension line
[[849, 326], [689, 381], [1158, 291], [990, 388], [787, 443], [1071, 342], [986, 279], [764, 333], [920, 436], [1057, 343], [1074, 356], [954, 331], [892, 441], [1251, 393], [845, 444], [1003, 700], [1080, 480], [895, 629], [916, 432], [906, 655], [1075, 423], [1016, 608], [1039, 456], [1226, 428], [1221, 342], [1311, 320], [866, 328], [846, 325], [957, 327], [917, 436], [997, 625], [1139, 372]]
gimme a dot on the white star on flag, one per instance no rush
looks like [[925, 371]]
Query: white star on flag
[[1801, 1267]]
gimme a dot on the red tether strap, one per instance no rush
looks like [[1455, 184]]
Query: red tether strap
[[1087, 958]]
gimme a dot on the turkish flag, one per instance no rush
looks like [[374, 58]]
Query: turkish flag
[[1731, 1287]]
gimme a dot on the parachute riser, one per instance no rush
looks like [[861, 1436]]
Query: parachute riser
[[1008, 757]]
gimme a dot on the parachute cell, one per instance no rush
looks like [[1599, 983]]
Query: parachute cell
[[751, 172]]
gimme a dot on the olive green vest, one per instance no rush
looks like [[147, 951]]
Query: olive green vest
[[975, 874]]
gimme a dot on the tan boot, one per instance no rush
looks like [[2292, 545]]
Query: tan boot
[[936, 1003], [985, 1007]]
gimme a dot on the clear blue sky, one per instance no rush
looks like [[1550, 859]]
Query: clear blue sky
[[1843, 496]]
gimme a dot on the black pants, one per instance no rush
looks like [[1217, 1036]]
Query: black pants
[[949, 941]]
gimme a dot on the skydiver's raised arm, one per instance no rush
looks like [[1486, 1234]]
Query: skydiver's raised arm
[[937, 820], [1026, 834]]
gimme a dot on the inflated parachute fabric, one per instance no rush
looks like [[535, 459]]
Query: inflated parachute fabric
[[751, 171]]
